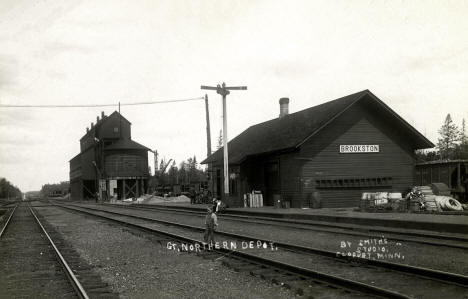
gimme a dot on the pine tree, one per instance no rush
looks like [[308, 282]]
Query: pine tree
[[183, 172], [173, 174], [220, 140], [449, 136], [162, 164], [463, 137], [195, 163], [461, 150], [193, 168]]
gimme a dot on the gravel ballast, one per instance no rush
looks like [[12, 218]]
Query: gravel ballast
[[138, 265], [415, 254]]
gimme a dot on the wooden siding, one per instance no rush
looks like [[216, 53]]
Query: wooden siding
[[232, 200], [75, 167], [106, 130], [252, 177], [87, 141], [126, 165], [88, 171], [452, 173], [429, 174], [290, 178], [322, 160], [76, 189], [253, 174]]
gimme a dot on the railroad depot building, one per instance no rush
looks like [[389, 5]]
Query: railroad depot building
[[110, 163], [323, 156]]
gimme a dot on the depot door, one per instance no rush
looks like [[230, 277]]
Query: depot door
[[272, 187]]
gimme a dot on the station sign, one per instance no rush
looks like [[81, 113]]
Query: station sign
[[359, 148]]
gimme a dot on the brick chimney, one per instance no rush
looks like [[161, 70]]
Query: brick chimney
[[102, 114], [92, 125], [284, 107], [97, 119]]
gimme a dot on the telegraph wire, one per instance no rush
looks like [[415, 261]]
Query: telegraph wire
[[101, 105]]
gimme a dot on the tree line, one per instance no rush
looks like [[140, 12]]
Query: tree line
[[8, 190], [452, 143], [61, 188], [187, 172]]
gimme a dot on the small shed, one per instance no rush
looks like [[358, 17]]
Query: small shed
[[453, 173]]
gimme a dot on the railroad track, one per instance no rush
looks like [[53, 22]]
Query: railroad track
[[397, 279], [34, 267], [7, 221], [427, 238]]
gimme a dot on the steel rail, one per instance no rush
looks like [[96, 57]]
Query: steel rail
[[446, 277], [339, 281], [80, 291], [292, 223], [303, 222], [8, 221]]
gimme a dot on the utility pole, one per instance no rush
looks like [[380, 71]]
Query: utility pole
[[224, 91], [208, 144], [208, 132], [120, 124]]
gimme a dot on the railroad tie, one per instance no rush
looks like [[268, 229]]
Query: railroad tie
[[288, 281], [312, 289], [297, 284], [283, 278], [268, 275], [260, 271], [208, 255], [275, 277], [240, 266]]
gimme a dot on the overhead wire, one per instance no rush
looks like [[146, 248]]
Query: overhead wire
[[100, 105]]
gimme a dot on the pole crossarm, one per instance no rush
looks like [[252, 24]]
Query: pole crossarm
[[236, 87], [223, 89], [209, 87]]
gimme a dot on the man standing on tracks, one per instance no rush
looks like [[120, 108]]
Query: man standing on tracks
[[211, 222]]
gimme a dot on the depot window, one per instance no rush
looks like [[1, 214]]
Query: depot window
[[354, 183]]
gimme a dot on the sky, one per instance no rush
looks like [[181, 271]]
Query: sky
[[413, 55]]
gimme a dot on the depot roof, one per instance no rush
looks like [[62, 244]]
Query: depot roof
[[292, 130]]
